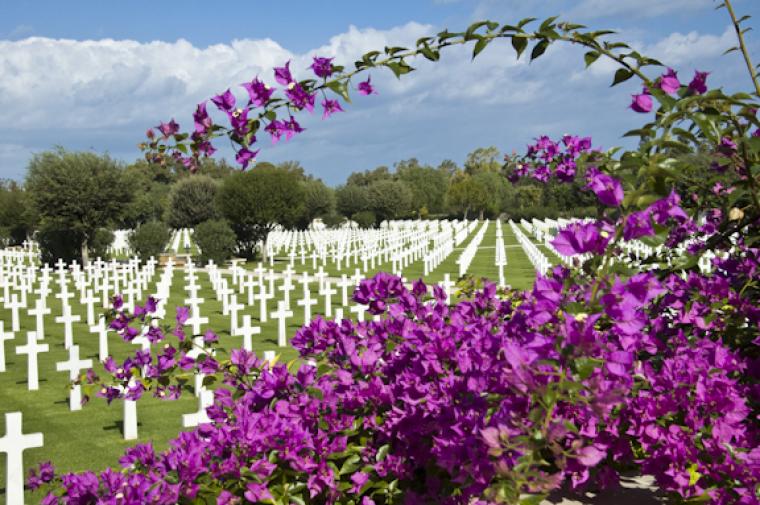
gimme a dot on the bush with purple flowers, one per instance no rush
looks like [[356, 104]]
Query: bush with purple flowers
[[649, 366]]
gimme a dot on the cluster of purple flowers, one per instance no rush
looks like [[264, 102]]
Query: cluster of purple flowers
[[298, 95]]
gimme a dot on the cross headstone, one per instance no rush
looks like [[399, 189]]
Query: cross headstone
[[263, 296], [89, 300], [234, 307], [306, 302], [32, 349], [3, 337], [102, 332], [67, 319], [328, 292], [247, 331], [39, 311], [281, 314], [205, 400], [74, 365], [14, 443], [15, 304], [130, 419], [270, 356]]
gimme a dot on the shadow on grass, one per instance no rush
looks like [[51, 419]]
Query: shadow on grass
[[119, 426]]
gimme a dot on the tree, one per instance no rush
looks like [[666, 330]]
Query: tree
[[367, 177], [318, 201], [255, 201], [152, 184], [216, 240], [427, 185], [192, 201], [149, 239], [483, 159], [16, 216], [479, 193], [351, 199], [77, 193], [389, 199]]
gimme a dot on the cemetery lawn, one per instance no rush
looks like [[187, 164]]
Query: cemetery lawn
[[92, 438]]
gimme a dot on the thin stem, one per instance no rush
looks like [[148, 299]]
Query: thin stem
[[743, 46]]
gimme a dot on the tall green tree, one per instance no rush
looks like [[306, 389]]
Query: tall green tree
[[389, 199], [16, 215], [77, 193], [192, 201], [351, 199], [427, 185], [318, 201], [255, 201], [483, 159]]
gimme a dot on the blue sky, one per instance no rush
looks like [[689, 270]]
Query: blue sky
[[94, 75]]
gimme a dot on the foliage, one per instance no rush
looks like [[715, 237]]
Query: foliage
[[254, 202], [364, 218], [216, 240], [318, 201], [192, 201], [427, 185], [16, 215], [389, 199], [76, 193], [351, 199], [149, 239]]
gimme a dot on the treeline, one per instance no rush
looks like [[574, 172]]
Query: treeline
[[71, 201]]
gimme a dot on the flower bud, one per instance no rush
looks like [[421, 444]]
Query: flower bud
[[735, 214]]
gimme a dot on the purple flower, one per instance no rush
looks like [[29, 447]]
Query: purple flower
[[608, 190], [151, 305], [210, 336], [330, 107], [322, 67], [117, 302], [282, 74], [239, 122], [203, 122], [168, 129], [365, 87], [669, 82], [258, 92], [183, 314], [225, 101], [245, 156], [638, 224], [591, 455], [698, 84], [300, 98], [641, 103], [581, 238]]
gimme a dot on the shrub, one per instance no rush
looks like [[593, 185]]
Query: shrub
[[58, 244], [216, 240], [365, 218], [149, 239], [192, 201]]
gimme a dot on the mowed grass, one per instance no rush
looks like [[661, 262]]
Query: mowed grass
[[92, 438]]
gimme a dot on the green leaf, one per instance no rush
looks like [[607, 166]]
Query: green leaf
[[399, 68], [382, 453], [622, 75], [340, 88], [590, 57], [539, 49], [585, 366], [525, 21], [533, 499], [548, 23], [479, 46], [470, 33], [519, 43]]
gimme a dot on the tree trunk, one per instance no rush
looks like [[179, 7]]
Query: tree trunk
[[85, 254], [481, 216], [466, 211]]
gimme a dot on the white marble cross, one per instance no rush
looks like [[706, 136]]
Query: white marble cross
[[205, 400], [14, 443], [306, 302], [130, 419], [89, 299], [286, 287], [234, 307], [446, 284], [359, 310], [270, 356], [247, 331], [39, 312], [281, 314], [263, 296], [67, 319], [345, 283], [3, 337], [328, 291], [32, 349], [15, 304], [102, 332], [195, 320], [74, 365]]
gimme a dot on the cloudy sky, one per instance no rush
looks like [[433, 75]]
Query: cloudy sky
[[93, 75]]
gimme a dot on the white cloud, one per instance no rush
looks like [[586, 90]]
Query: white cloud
[[678, 48], [634, 8]]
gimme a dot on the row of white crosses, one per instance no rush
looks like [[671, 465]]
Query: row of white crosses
[[120, 244], [180, 240], [539, 261], [399, 243], [500, 256], [469, 252]]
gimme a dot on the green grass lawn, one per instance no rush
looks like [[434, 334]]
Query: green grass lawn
[[92, 438]]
